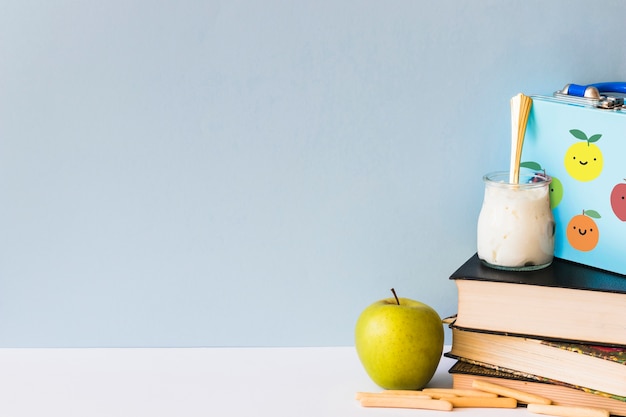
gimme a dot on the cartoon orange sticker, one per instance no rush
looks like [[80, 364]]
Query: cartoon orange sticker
[[582, 231]]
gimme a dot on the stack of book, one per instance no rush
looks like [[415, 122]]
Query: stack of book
[[559, 332]]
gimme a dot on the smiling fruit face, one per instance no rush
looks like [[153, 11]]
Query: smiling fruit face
[[556, 192], [583, 161], [618, 201], [582, 233]]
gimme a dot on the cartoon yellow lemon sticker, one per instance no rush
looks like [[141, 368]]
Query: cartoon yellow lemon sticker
[[583, 160]]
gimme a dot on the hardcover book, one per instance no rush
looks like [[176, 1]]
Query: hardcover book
[[464, 373], [565, 301], [599, 368]]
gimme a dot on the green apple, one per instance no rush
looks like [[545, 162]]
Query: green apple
[[399, 342]]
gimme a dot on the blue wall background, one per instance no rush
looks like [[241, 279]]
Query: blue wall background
[[255, 173]]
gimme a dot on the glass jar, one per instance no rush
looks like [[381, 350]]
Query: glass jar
[[516, 226]]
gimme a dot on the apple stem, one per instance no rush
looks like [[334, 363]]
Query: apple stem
[[395, 296]]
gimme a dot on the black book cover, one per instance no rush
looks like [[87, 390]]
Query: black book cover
[[561, 274]]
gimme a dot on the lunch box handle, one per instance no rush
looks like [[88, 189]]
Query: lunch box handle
[[594, 90]]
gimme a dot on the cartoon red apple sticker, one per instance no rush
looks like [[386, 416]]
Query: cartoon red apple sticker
[[618, 201], [582, 231]]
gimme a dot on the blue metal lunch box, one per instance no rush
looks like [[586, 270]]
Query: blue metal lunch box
[[578, 137]]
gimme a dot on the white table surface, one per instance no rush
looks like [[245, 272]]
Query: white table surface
[[294, 382]]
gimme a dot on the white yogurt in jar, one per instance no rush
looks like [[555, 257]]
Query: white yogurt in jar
[[516, 225]]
